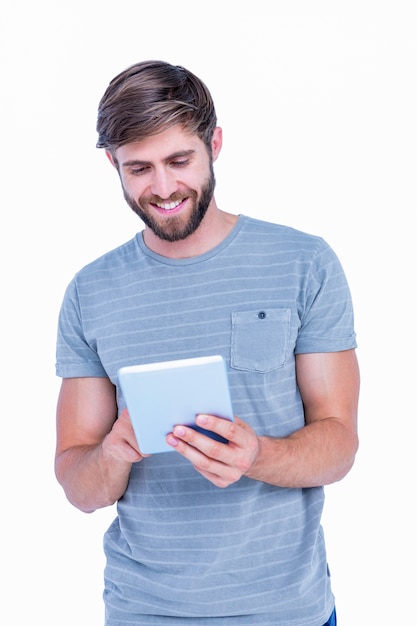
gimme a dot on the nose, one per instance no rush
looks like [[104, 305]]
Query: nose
[[163, 183]]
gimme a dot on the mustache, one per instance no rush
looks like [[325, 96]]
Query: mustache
[[174, 197]]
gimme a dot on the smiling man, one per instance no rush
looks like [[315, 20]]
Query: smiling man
[[210, 532], [171, 191]]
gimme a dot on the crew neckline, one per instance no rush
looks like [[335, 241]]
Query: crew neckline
[[194, 259]]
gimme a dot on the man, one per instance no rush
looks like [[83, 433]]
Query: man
[[210, 533]]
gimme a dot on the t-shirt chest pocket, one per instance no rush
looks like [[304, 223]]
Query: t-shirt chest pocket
[[260, 339]]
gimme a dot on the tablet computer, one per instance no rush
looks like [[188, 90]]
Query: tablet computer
[[160, 395]]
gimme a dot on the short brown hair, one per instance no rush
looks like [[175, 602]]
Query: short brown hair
[[150, 97]]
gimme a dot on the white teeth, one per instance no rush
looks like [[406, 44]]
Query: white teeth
[[168, 206]]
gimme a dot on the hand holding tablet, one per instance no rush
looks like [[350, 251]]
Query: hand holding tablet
[[161, 395]]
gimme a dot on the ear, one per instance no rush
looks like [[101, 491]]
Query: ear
[[111, 159], [216, 142]]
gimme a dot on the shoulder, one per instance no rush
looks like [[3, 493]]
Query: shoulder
[[112, 262], [109, 271], [285, 237]]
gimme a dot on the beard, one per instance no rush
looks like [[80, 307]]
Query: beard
[[175, 228]]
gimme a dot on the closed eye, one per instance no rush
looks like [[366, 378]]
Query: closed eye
[[136, 171], [180, 163]]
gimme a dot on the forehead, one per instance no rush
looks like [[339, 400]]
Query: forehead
[[161, 146]]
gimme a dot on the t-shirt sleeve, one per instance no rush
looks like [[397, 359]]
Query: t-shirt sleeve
[[327, 319], [75, 357]]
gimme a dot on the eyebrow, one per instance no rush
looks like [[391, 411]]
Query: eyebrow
[[174, 155]]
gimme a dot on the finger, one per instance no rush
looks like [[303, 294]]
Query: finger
[[206, 462], [201, 442], [123, 429], [221, 426]]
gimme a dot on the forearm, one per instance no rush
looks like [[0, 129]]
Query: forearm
[[321, 453], [91, 478]]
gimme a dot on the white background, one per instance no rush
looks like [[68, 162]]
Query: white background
[[318, 105]]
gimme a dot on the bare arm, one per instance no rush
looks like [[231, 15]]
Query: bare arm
[[324, 450], [94, 451], [320, 453]]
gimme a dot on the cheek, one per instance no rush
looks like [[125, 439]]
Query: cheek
[[194, 181], [132, 187]]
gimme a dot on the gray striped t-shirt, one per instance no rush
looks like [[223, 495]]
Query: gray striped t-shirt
[[182, 551]]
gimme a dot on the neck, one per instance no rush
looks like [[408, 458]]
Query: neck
[[214, 228]]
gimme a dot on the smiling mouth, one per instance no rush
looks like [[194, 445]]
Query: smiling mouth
[[168, 206]]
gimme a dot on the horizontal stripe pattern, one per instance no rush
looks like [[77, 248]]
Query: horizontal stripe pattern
[[180, 548]]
